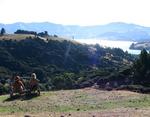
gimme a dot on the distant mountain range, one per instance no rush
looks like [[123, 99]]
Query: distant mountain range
[[112, 31]]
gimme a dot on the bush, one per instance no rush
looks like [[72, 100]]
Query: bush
[[4, 89]]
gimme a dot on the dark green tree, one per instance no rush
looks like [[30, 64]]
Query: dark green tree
[[46, 33], [141, 67], [3, 31]]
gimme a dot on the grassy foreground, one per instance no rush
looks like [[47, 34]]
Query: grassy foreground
[[83, 102]]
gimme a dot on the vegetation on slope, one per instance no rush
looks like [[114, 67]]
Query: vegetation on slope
[[134, 77], [58, 64], [66, 64]]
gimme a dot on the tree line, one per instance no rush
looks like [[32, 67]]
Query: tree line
[[19, 31]]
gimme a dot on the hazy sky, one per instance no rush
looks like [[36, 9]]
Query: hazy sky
[[81, 12]]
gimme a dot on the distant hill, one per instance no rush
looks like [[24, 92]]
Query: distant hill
[[140, 46], [113, 31]]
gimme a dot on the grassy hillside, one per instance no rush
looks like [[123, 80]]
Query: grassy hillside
[[59, 63], [17, 37], [78, 103]]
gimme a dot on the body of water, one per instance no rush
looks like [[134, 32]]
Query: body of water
[[124, 45]]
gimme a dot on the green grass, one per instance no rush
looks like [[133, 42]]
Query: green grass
[[76, 100], [130, 103], [9, 109], [106, 105], [3, 97]]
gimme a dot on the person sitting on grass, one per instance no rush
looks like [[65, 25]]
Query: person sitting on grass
[[18, 86], [33, 82]]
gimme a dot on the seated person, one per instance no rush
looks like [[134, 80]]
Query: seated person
[[33, 82], [18, 85]]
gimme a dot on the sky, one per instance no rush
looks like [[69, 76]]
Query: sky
[[76, 12]]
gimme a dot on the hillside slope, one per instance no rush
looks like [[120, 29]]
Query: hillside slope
[[141, 46], [56, 53], [78, 103], [59, 63]]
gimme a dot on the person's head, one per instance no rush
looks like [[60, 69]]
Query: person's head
[[17, 78], [33, 76]]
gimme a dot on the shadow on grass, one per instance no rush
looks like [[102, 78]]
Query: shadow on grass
[[15, 97], [30, 96], [23, 97]]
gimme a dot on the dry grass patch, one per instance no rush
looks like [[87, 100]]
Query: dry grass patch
[[80, 101]]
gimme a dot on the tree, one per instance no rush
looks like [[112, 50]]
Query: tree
[[46, 33], [141, 67], [3, 31], [43, 34], [25, 32]]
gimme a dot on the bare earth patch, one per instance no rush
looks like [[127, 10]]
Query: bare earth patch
[[87, 102]]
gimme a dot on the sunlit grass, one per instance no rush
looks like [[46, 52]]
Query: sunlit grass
[[74, 101]]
